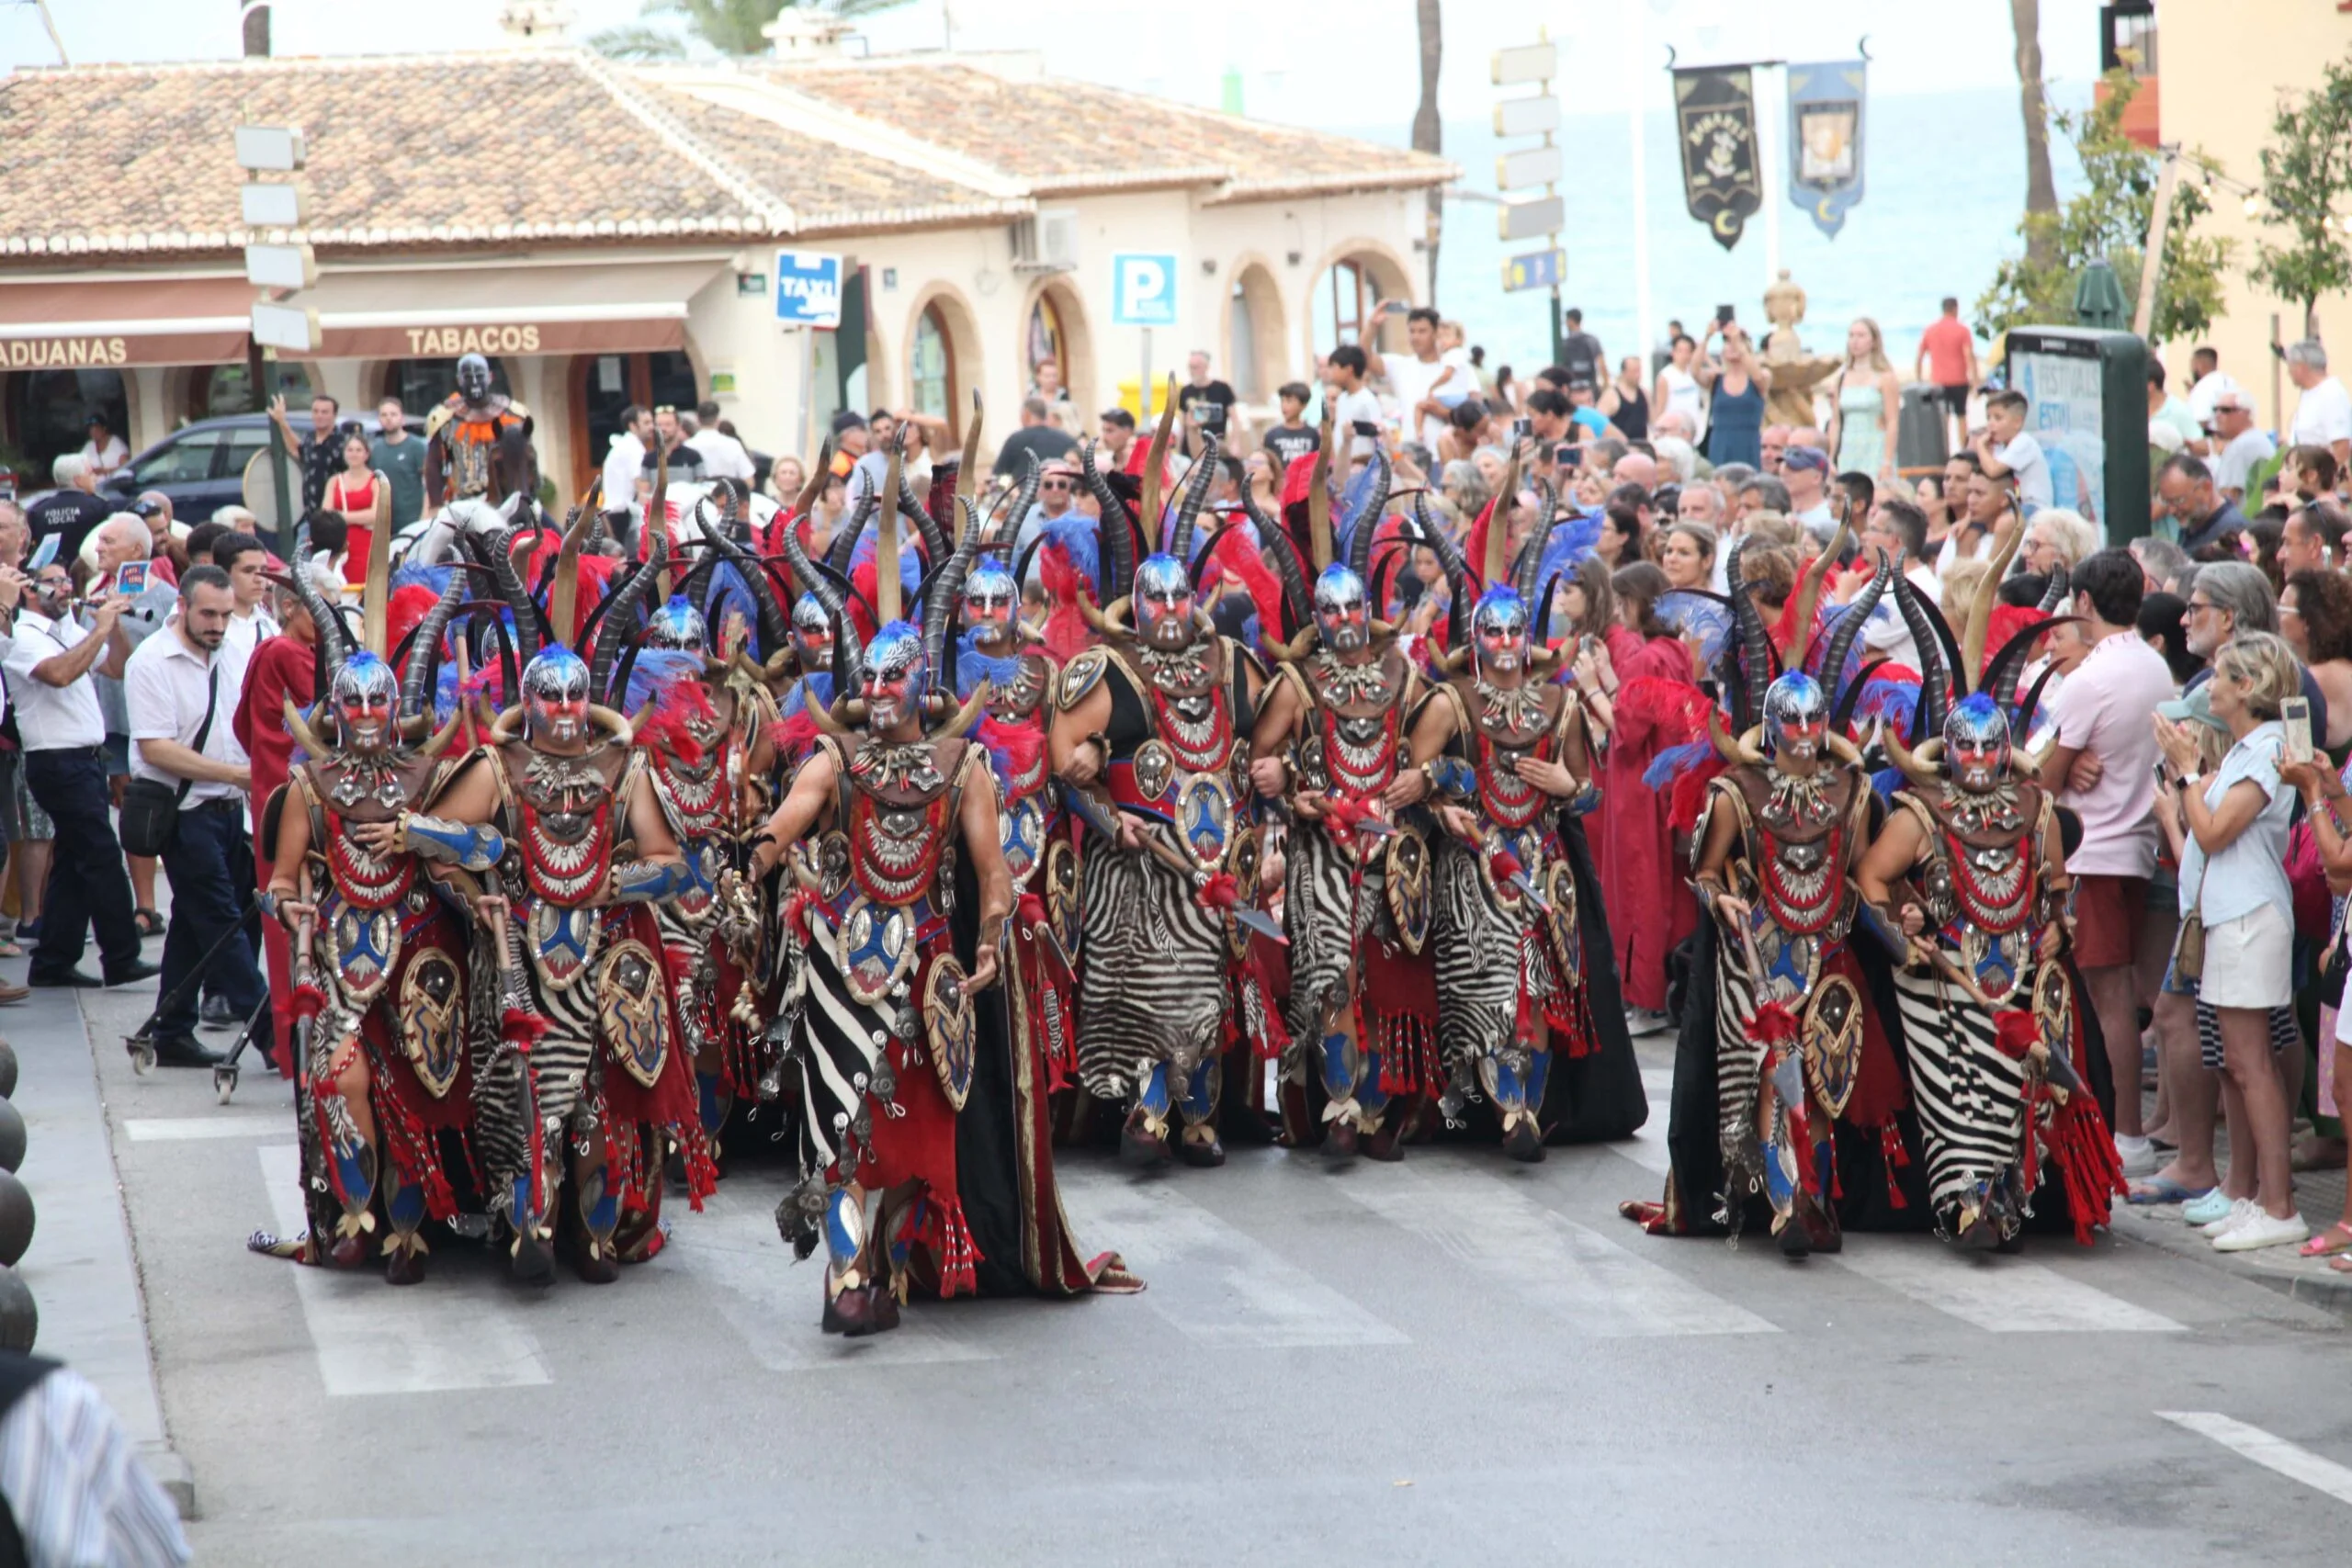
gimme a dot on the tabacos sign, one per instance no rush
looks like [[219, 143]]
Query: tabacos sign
[[448, 342], [61, 353]]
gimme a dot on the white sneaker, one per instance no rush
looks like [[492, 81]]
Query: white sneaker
[[2262, 1229], [2240, 1208], [2138, 1154]]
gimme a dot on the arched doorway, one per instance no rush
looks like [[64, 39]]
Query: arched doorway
[[942, 360], [1345, 294], [44, 413], [1056, 328], [1257, 358]]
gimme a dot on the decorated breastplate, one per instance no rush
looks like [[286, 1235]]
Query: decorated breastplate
[[1193, 769], [895, 864], [700, 798], [1514, 815], [1022, 699], [1798, 854], [1359, 710], [1979, 882], [468, 445], [566, 846]]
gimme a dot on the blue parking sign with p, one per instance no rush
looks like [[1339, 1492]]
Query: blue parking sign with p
[[808, 289], [1143, 289]]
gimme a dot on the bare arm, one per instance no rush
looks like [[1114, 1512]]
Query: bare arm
[[1889, 415], [655, 842], [187, 763], [976, 817], [2217, 828], [804, 804], [1074, 750], [68, 665], [1278, 715], [1889, 859]]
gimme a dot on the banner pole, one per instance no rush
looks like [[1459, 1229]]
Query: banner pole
[[1768, 172], [1633, 76]]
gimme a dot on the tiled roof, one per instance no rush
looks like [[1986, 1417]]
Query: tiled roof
[[407, 152], [833, 189], [1062, 136], [540, 145]]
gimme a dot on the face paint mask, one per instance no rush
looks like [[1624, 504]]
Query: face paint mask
[[364, 696], [988, 596], [1343, 610], [1163, 604], [555, 697], [1498, 627], [896, 674], [1796, 718]]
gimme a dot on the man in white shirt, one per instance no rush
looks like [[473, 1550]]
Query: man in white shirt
[[2324, 413], [1411, 376], [2207, 381], [1900, 529], [2003, 448], [1355, 412], [49, 663], [2241, 446], [723, 456], [623, 461], [246, 561], [181, 710], [1805, 470]]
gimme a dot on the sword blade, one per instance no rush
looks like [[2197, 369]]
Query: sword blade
[[1258, 921]]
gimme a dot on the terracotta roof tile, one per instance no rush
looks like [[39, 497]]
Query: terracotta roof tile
[[831, 188], [1062, 135], [547, 150]]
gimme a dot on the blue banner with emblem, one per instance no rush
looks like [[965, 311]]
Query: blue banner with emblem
[[1825, 140], [1715, 121]]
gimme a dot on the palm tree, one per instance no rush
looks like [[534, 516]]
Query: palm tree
[[1429, 135], [729, 27], [2040, 189]]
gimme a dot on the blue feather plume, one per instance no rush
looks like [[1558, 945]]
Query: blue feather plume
[[1676, 761], [972, 667], [1081, 537], [655, 670]]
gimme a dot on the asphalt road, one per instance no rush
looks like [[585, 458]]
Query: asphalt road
[[1411, 1364]]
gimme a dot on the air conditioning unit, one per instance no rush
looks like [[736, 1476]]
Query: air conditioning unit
[[1046, 241]]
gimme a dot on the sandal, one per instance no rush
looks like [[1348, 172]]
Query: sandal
[[149, 922], [2341, 1263], [2335, 1240], [10, 950]]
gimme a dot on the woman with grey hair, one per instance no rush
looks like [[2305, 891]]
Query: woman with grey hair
[[2161, 562], [1463, 486], [2229, 825]]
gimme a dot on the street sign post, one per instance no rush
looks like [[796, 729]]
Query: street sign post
[[1537, 269], [1143, 294], [1529, 170], [280, 271]]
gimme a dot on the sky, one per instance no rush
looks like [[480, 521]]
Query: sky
[[1297, 63]]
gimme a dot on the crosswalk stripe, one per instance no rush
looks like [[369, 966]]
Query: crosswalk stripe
[[733, 1245], [186, 1129], [2002, 1296], [371, 1338], [1209, 1281], [1585, 1281], [1647, 1147], [2271, 1452]]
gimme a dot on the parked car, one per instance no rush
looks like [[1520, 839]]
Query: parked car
[[201, 466]]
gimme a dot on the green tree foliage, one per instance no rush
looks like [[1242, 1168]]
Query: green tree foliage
[[728, 26], [2306, 170], [2110, 220]]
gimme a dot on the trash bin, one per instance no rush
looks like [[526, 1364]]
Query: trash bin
[[1919, 429]]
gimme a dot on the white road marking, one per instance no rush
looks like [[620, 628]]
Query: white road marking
[[733, 1247], [1211, 1282], [1585, 1282], [186, 1129], [372, 1339], [2295, 1462], [2002, 1296]]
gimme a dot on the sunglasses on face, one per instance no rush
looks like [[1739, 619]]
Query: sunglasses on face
[[1054, 484]]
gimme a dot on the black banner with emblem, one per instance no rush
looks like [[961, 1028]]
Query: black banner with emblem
[[1714, 110]]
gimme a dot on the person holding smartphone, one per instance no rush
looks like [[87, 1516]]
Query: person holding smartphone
[[1738, 384]]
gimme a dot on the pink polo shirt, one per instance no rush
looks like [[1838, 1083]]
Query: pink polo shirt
[[2105, 708]]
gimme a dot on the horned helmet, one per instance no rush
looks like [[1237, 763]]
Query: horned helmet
[[897, 675], [1163, 604], [1796, 718], [1342, 609], [1977, 743], [677, 627], [1498, 631], [555, 695], [990, 599], [364, 695]]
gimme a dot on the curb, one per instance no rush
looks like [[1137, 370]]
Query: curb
[[2310, 1281], [84, 1266]]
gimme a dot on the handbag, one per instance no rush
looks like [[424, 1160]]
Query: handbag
[[2189, 954], [151, 808]]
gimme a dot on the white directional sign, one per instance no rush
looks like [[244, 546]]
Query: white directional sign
[[1528, 63], [1526, 220], [291, 329], [274, 206], [1527, 168], [273, 148], [1527, 116], [1143, 289], [281, 266]]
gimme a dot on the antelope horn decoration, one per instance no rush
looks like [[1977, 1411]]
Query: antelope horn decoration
[[1196, 491], [1809, 595], [424, 653], [1114, 533], [1979, 624], [890, 593], [1154, 465], [1491, 572], [563, 598]]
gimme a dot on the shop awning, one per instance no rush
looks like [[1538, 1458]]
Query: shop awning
[[372, 312]]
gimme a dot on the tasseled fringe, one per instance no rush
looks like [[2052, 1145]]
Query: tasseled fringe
[[1898, 1158], [521, 1028], [1409, 1060], [309, 1002], [414, 1152], [942, 1229], [1253, 1019], [2084, 1151]]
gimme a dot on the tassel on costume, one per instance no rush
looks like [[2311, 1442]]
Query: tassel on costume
[[309, 1002], [2016, 1033]]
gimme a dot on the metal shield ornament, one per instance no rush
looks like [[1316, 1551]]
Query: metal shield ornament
[[1832, 1041], [1244, 867], [1063, 911], [628, 994], [432, 1020], [1559, 884], [877, 949], [1155, 770], [1825, 140], [563, 942], [2053, 1005], [1408, 887], [1714, 109], [1205, 817], [952, 1027], [365, 945], [1021, 833]]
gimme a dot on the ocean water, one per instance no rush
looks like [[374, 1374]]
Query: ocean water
[[1944, 187]]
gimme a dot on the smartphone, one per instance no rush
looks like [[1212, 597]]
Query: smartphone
[[2295, 713], [1519, 429], [1392, 306], [1568, 455], [1724, 316], [131, 577]]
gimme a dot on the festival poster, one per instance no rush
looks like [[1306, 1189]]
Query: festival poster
[[1714, 109], [1825, 140]]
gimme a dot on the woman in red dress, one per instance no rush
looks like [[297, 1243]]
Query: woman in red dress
[[1658, 705], [282, 667]]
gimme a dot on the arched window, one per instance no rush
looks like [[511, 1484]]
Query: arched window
[[1045, 340], [1341, 305], [930, 368]]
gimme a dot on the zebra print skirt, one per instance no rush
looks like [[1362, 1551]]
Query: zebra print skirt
[[1969, 1096], [1152, 986], [1485, 956], [1327, 920], [1739, 1082]]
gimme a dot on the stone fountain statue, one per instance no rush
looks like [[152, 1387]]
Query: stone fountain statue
[[1795, 374]]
